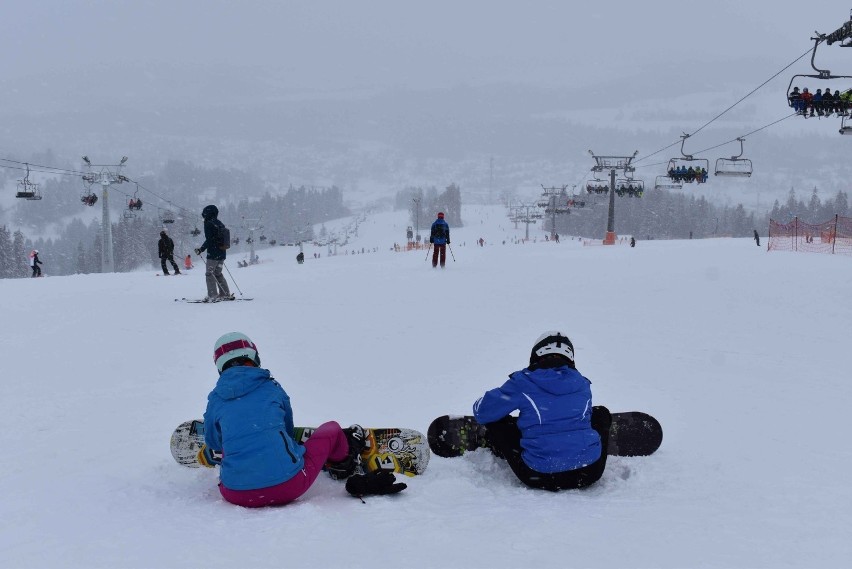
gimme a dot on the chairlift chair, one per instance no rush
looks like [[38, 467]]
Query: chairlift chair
[[195, 232], [597, 186], [167, 217], [735, 165], [27, 190], [666, 183], [845, 126], [687, 161], [821, 74]]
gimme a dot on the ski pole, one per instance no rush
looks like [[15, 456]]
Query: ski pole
[[427, 252], [232, 278], [451, 252]]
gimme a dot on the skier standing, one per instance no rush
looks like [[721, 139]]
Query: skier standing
[[166, 250], [559, 441], [440, 238], [217, 286], [248, 431], [35, 262], [756, 238]]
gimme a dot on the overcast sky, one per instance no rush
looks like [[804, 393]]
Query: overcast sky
[[346, 45]]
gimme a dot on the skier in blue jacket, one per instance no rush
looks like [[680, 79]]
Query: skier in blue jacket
[[559, 440], [439, 237], [249, 433]]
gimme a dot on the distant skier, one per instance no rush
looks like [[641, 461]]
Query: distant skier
[[300, 258], [756, 238], [166, 250], [35, 262], [633, 242], [217, 286], [559, 441], [187, 263], [249, 414], [439, 238]]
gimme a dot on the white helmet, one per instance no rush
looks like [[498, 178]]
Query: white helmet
[[231, 346], [552, 342]]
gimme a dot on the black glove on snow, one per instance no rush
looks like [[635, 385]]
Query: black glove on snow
[[373, 484]]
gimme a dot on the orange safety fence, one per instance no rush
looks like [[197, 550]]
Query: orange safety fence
[[833, 236]]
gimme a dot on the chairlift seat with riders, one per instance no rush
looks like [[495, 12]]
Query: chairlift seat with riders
[[597, 186], [167, 216], [687, 168], [842, 34]]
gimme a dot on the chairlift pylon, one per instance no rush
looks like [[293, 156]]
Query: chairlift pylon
[[735, 166]]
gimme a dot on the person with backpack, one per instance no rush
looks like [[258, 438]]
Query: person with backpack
[[249, 433], [166, 251], [439, 238], [217, 240], [559, 440]]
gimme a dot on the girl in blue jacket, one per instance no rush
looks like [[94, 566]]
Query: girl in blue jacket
[[248, 431], [559, 440]]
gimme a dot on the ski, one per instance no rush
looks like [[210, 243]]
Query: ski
[[202, 301]]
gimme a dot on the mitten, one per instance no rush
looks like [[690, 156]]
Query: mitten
[[198, 251], [208, 457], [374, 483]]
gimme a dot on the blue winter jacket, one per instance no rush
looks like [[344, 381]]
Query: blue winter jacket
[[249, 419], [440, 233], [555, 417], [211, 240]]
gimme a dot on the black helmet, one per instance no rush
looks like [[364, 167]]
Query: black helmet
[[210, 212]]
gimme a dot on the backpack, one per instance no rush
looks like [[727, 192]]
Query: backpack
[[224, 235]]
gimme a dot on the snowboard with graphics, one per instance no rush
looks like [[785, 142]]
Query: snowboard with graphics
[[405, 451], [632, 433]]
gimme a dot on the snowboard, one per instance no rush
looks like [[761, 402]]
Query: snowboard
[[202, 301], [404, 451], [632, 433]]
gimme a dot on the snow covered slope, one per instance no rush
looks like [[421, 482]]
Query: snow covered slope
[[740, 353]]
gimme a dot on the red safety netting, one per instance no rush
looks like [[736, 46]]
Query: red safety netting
[[834, 236]]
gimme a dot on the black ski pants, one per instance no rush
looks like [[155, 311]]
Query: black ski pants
[[504, 438], [171, 259]]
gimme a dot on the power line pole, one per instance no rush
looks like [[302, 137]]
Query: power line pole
[[491, 183], [106, 177], [613, 164]]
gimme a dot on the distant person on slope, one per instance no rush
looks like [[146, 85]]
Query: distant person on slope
[[35, 262], [559, 441], [756, 238], [440, 238], [187, 263], [249, 432], [217, 286], [166, 251]]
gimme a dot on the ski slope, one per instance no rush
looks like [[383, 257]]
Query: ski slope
[[740, 353]]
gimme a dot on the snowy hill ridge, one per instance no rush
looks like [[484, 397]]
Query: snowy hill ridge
[[737, 351]]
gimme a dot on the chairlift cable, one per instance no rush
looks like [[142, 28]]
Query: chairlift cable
[[750, 93]]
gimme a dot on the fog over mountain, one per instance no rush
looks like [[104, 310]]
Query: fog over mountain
[[374, 98]]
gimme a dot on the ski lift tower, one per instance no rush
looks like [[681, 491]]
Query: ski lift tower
[[526, 215], [549, 201], [251, 225], [107, 175], [613, 164]]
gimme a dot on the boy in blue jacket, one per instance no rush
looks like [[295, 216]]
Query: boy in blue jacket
[[559, 440], [248, 431]]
